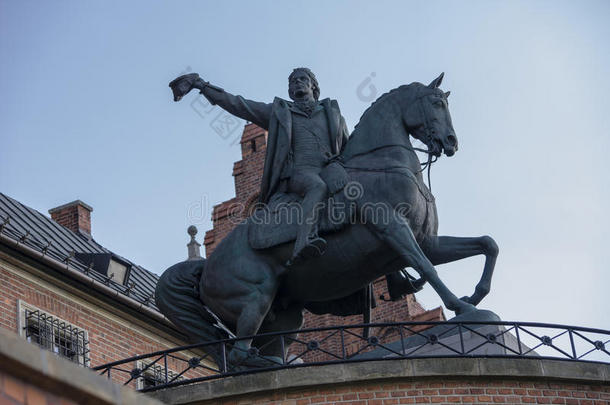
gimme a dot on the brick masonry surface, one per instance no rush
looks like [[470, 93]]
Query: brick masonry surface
[[247, 175], [434, 392], [14, 391], [109, 340], [75, 217]]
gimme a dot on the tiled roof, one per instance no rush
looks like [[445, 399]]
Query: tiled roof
[[41, 233]]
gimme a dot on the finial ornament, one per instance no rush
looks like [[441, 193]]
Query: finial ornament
[[193, 246]]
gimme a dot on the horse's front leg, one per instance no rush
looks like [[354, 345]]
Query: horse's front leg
[[446, 249], [397, 234]]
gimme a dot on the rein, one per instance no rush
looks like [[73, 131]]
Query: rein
[[427, 165], [422, 110]]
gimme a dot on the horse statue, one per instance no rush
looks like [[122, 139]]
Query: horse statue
[[250, 291]]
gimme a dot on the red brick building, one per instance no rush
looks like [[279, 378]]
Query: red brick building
[[65, 292], [247, 174]]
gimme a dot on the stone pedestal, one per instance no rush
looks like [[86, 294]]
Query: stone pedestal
[[444, 340]]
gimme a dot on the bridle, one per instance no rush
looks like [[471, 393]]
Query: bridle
[[432, 158]]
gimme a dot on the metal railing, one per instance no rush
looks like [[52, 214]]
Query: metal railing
[[344, 344]]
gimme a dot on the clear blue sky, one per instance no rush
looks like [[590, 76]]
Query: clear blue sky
[[86, 113]]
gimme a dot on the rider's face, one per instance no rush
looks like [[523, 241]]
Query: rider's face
[[300, 86]]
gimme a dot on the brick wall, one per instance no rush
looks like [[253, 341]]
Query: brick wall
[[488, 391], [111, 335], [14, 391], [34, 376], [247, 175]]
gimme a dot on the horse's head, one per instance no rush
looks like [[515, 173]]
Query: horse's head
[[427, 119]]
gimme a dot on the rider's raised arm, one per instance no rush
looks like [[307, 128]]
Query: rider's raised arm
[[253, 111]]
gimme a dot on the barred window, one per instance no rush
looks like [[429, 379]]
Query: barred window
[[54, 334], [153, 375]]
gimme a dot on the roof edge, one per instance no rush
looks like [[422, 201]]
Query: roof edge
[[87, 280]]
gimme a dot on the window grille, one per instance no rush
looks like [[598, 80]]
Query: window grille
[[56, 335], [153, 375]]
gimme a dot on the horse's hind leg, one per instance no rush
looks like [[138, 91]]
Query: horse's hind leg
[[253, 308], [446, 249], [398, 235], [279, 319]]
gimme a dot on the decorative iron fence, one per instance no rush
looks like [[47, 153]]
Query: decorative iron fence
[[343, 344]]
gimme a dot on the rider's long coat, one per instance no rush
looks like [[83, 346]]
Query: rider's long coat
[[280, 140], [277, 119]]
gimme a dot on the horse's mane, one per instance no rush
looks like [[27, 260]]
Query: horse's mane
[[382, 98]]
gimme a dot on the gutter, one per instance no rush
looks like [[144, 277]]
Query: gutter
[[87, 280]]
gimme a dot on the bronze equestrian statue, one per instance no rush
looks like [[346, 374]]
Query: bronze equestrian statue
[[258, 281]]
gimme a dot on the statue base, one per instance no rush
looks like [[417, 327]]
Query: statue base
[[444, 340]]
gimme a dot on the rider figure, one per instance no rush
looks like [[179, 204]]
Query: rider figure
[[303, 137]]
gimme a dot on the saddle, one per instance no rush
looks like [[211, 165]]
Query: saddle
[[278, 221]]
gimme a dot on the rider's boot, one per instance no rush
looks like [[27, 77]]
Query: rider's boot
[[308, 244]]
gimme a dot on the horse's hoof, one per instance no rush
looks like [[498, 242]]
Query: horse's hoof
[[465, 307], [237, 357], [419, 284], [467, 300], [474, 299], [245, 360]]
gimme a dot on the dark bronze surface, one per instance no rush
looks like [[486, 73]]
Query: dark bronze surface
[[392, 224]]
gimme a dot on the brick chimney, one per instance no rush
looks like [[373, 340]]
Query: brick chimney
[[76, 216]]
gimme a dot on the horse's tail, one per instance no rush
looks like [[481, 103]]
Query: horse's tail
[[177, 297]]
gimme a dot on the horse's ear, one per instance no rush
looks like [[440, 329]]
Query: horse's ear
[[447, 94], [437, 82]]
